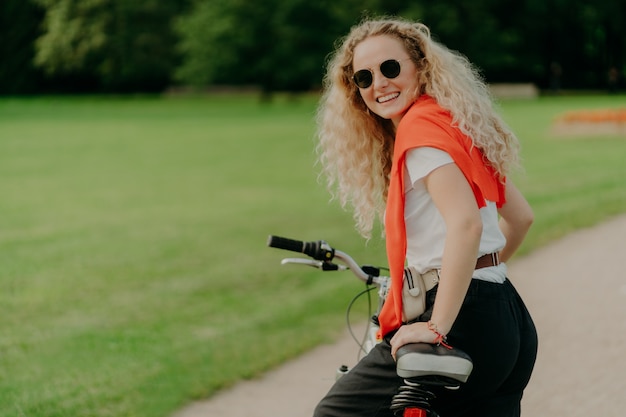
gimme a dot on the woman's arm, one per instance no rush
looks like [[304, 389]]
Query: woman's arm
[[455, 200], [516, 217]]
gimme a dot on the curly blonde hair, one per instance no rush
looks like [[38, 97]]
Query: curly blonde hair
[[355, 146]]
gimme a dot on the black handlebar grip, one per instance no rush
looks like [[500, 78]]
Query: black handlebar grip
[[319, 250], [285, 243]]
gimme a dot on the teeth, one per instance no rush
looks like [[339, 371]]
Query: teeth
[[388, 97]]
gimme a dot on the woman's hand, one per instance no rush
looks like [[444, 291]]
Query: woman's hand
[[411, 333]]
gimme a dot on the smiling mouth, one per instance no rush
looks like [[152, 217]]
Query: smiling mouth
[[387, 98]]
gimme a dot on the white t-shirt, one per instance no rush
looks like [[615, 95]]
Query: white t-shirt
[[425, 228]]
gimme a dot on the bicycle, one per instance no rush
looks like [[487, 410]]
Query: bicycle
[[421, 365]]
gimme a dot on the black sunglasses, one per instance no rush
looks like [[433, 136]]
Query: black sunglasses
[[365, 77]]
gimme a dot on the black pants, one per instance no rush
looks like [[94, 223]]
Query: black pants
[[493, 327]]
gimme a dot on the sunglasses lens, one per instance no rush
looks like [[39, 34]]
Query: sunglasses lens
[[363, 78], [390, 68]]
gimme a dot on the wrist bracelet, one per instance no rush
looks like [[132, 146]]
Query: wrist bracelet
[[441, 339]]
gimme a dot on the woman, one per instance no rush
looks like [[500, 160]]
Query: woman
[[407, 133]]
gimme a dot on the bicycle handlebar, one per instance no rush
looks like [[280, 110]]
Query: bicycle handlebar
[[322, 251]]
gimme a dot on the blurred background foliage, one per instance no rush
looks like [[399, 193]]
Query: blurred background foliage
[[128, 46]]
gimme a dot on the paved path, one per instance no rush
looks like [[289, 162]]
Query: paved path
[[575, 289]]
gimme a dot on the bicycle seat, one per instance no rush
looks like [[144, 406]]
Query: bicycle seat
[[425, 359]]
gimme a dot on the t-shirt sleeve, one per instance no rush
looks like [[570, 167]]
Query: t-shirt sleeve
[[423, 160]]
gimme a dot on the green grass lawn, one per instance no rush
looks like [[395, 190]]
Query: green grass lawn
[[135, 275]]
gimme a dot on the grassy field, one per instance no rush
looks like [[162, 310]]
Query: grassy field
[[135, 276]]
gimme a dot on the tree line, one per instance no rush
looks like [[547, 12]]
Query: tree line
[[69, 46]]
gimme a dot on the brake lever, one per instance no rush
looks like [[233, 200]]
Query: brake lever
[[324, 266]]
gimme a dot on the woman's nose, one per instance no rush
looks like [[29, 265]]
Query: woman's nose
[[380, 80]]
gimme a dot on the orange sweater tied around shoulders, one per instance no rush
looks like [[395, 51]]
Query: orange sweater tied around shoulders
[[427, 124]]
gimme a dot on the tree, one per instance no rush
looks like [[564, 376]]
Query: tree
[[126, 45], [215, 38], [19, 27], [524, 41], [120, 44], [276, 44]]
